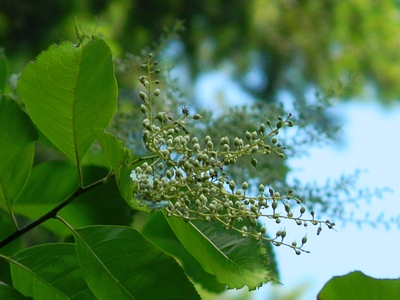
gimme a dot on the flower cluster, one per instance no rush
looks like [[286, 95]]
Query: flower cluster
[[187, 177]]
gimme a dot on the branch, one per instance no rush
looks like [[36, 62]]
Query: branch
[[52, 213]]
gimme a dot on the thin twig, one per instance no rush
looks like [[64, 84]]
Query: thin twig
[[52, 213]]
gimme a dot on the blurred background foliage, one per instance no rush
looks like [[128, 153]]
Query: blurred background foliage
[[278, 53], [290, 44]]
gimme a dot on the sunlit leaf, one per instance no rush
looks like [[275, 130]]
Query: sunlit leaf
[[235, 261], [68, 91], [49, 271], [357, 285], [119, 263]]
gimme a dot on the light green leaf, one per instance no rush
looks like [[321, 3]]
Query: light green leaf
[[16, 152], [68, 91], [235, 261], [357, 285], [119, 157], [49, 271], [159, 232], [119, 263]]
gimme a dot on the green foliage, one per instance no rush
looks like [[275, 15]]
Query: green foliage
[[69, 93], [357, 285], [216, 227], [62, 89]]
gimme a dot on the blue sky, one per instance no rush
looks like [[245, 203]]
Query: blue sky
[[371, 137]]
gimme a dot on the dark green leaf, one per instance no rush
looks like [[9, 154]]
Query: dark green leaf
[[8, 292], [357, 285], [119, 158], [159, 232], [51, 183], [6, 228], [68, 91], [16, 152], [235, 261], [3, 71], [119, 263], [49, 271]]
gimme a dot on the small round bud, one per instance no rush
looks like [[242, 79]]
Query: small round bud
[[245, 185], [232, 185], [146, 123], [143, 109], [169, 174], [197, 117], [298, 252], [319, 230], [263, 229], [281, 155], [254, 162], [248, 135], [274, 140], [262, 127], [261, 188], [143, 96], [156, 92], [254, 135], [304, 240], [302, 210], [254, 149], [279, 124]]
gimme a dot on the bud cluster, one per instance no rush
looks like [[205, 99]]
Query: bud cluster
[[186, 176]]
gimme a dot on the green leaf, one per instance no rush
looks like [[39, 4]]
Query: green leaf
[[51, 183], [158, 231], [3, 71], [235, 261], [68, 91], [357, 285], [6, 228], [16, 152], [49, 271], [119, 158], [119, 263], [8, 292]]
